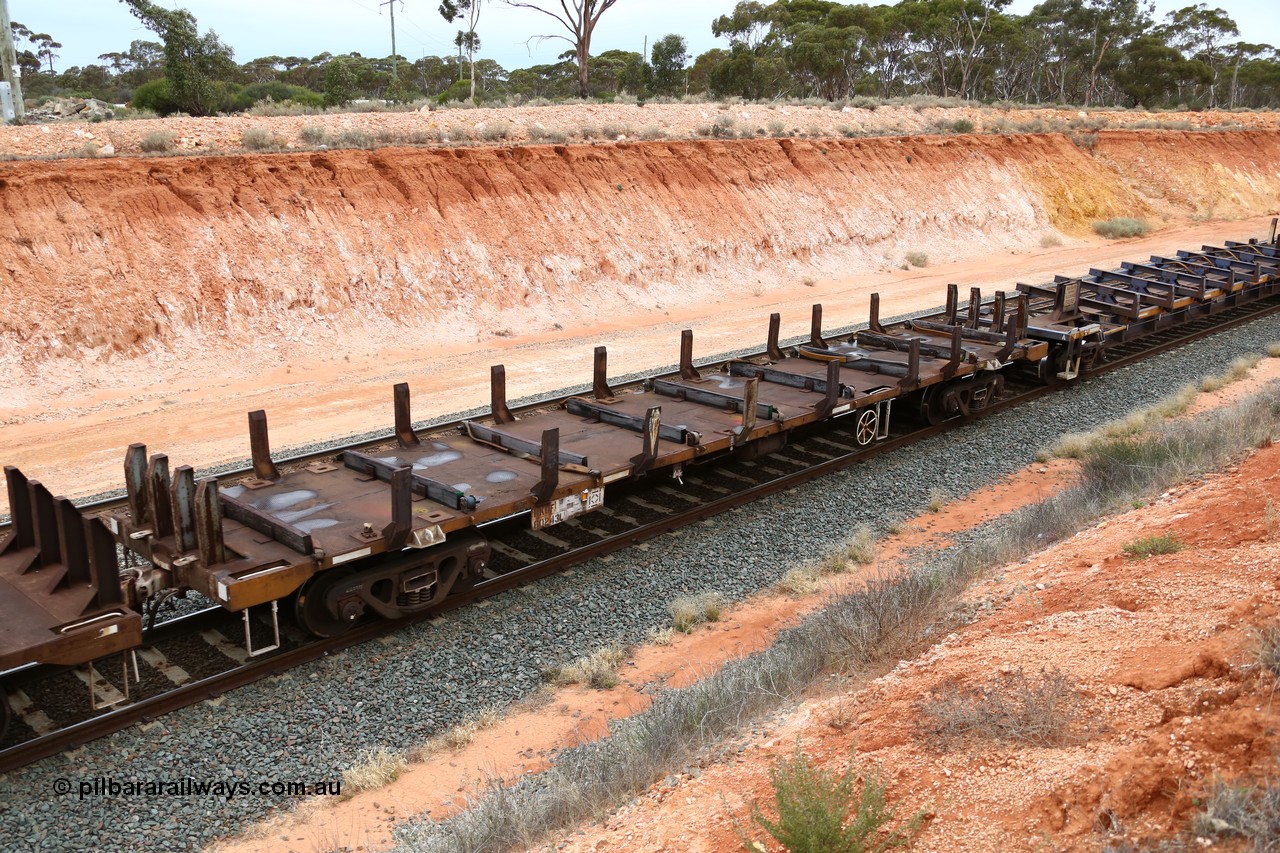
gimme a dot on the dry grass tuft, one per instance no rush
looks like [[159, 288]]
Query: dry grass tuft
[[937, 500], [801, 580], [374, 770], [687, 612], [1242, 811], [1012, 708], [1266, 652], [598, 670]]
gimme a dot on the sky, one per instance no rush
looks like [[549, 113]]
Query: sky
[[254, 28]]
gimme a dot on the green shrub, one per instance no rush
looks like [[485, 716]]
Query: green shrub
[[157, 141], [1121, 226], [962, 125], [917, 259], [1149, 546], [277, 93], [154, 97], [819, 811]]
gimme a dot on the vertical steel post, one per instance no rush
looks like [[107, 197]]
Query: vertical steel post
[[404, 421]]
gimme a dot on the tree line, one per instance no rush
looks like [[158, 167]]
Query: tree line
[[1079, 52]]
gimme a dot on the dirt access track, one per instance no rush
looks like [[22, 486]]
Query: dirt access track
[[158, 299]]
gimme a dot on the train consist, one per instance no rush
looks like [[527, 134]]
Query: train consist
[[388, 531]]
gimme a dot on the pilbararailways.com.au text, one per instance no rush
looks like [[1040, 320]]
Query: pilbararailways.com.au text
[[227, 789]]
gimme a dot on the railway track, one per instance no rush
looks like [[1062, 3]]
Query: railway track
[[176, 667]]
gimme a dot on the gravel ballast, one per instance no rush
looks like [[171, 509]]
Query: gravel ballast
[[313, 722]]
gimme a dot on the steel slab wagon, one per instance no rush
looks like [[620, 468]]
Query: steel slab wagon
[[391, 530]]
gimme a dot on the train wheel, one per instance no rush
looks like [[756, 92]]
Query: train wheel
[[868, 427], [311, 610]]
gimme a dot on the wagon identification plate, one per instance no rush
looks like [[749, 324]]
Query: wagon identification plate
[[567, 507]]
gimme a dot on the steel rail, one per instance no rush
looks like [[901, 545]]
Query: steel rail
[[215, 685]]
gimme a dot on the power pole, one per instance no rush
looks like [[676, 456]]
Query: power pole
[[392, 5], [9, 71]]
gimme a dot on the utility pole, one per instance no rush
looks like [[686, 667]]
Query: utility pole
[[392, 5], [9, 71]]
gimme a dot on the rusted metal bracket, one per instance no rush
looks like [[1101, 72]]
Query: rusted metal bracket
[[209, 523], [750, 402], [815, 328], [714, 398], [135, 484], [426, 486], [159, 500], [404, 419], [772, 348], [45, 520], [550, 456], [832, 389], [873, 317], [183, 504], [599, 377], [688, 372], [912, 379], [588, 409], [956, 356], [260, 447], [953, 303], [1066, 301], [396, 532], [997, 311], [23, 531], [975, 308], [73, 545], [652, 431], [268, 525], [498, 395], [103, 562], [518, 445]]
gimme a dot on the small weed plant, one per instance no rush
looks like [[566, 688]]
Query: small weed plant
[[819, 811], [1150, 546], [917, 259]]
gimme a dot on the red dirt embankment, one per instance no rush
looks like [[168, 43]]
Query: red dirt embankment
[[178, 257]]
